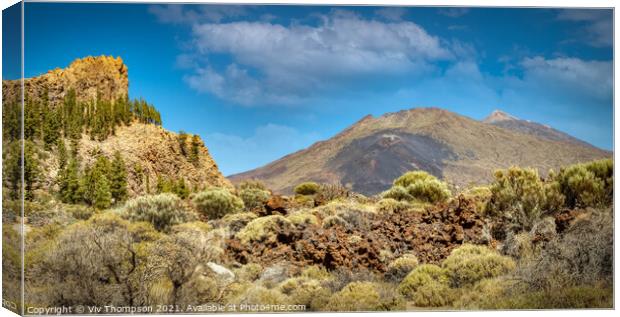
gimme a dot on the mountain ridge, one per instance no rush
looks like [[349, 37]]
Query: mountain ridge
[[369, 154]]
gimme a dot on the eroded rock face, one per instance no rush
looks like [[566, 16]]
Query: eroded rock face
[[430, 236], [89, 76]]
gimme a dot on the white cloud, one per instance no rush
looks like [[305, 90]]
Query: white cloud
[[180, 14], [453, 12], [598, 29], [278, 63], [573, 76], [391, 13], [269, 142]]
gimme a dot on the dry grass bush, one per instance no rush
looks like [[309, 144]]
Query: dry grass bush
[[481, 195], [340, 277], [331, 192], [356, 296], [518, 245], [163, 210], [264, 229], [316, 272], [254, 199], [418, 186], [303, 218], [176, 268], [486, 294], [306, 291], [259, 295], [427, 286], [249, 272], [252, 184], [469, 263], [98, 262], [307, 188], [521, 197], [332, 221], [400, 267], [583, 255], [215, 203], [589, 184], [575, 297], [391, 205], [237, 221]]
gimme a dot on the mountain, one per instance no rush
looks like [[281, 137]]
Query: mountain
[[506, 121], [149, 151], [89, 76], [371, 153]]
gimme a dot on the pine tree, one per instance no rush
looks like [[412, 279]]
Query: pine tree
[[182, 190], [62, 153], [69, 183], [102, 196], [194, 154], [94, 178], [163, 185], [118, 178], [183, 142], [12, 173], [31, 169], [52, 126]]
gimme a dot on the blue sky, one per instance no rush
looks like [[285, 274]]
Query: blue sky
[[260, 82]]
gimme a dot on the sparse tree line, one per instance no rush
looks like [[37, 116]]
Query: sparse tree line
[[52, 126], [98, 118]]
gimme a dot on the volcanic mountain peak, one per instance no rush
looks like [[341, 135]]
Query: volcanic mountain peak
[[368, 155], [499, 116]]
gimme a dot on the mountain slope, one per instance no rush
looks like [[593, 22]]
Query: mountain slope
[[504, 120], [371, 153]]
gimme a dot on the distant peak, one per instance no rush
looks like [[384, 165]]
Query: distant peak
[[498, 116]]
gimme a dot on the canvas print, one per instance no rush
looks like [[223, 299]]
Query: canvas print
[[206, 158]]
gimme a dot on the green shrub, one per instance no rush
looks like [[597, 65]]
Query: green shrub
[[588, 184], [252, 184], [303, 219], [519, 195], [249, 272], [259, 295], [427, 286], [399, 268], [486, 294], [576, 297], [80, 212], [391, 205], [469, 263], [236, 222], [356, 296], [316, 272], [254, 199], [418, 186], [163, 210], [398, 193], [305, 291], [215, 203], [264, 229], [332, 221], [481, 195], [307, 188]]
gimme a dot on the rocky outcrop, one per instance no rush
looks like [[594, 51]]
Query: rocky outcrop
[[89, 76], [149, 152]]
